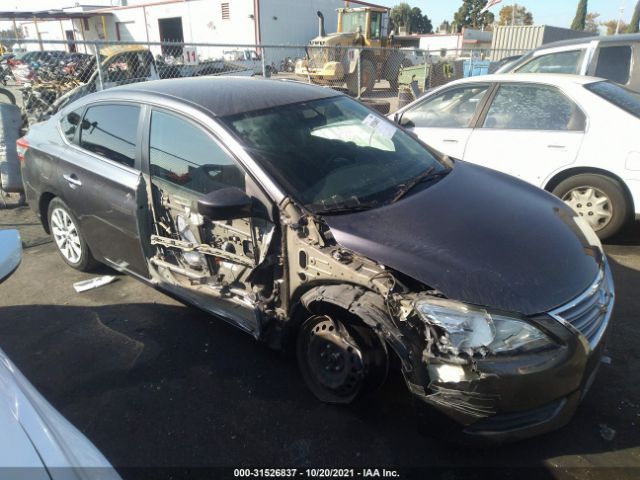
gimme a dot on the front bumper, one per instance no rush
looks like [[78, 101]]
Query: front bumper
[[509, 398], [330, 71]]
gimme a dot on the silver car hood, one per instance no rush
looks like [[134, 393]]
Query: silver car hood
[[37, 437]]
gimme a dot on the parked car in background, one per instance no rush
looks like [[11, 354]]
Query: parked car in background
[[248, 59], [614, 57], [312, 222], [36, 441], [571, 135], [120, 65]]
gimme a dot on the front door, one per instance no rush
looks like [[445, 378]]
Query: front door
[[529, 131], [444, 121], [212, 263]]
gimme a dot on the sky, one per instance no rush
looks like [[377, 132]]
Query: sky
[[558, 13]]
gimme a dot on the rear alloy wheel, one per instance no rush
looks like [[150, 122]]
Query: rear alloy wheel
[[339, 361], [598, 199], [67, 237]]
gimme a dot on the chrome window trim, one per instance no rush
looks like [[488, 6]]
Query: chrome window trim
[[77, 147]]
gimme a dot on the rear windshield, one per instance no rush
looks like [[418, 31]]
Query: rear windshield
[[621, 97]]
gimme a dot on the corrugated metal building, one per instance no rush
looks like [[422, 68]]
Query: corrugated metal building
[[519, 39]]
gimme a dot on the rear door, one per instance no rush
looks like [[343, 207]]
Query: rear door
[[444, 121], [102, 184], [528, 131]]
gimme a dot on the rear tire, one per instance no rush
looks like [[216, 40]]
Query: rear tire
[[599, 199], [339, 361], [67, 237], [367, 79], [6, 96]]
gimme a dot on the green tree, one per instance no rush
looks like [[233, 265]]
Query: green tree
[[400, 16], [468, 15], [523, 16], [581, 16], [444, 27], [420, 23], [612, 25], [634, 26], [591, 23]]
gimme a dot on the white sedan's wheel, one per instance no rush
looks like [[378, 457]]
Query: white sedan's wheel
[[65, 234], [599, 199], [592, 204]]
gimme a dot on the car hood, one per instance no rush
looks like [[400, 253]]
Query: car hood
[[35, 436], [480, 237]]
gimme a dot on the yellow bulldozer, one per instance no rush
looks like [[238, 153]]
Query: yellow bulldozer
[[362, 42]]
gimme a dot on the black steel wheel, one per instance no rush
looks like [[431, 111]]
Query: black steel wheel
[[339, 360]]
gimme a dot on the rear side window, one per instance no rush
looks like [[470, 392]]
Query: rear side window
[[533, 107], [614, 63], [110, 131], [558, 62], [69, 124], [621, 97]]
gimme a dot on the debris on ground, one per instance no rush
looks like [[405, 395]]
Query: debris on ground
[[605, 359], [606, 432], [92, 283]]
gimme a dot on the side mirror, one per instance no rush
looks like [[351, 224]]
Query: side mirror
[[10, 252], [225, 204], [406, 122]]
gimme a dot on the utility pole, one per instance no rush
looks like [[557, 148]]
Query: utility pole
[[622, 5], [513, 13]]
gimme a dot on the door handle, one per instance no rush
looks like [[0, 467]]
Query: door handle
[[73, 180], [450, 140], [558, 147]]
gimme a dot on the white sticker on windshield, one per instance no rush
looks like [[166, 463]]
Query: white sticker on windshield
[[385, 129]]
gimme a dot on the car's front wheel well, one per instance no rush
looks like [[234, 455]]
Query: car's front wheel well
[[43, 209], [571, 172]]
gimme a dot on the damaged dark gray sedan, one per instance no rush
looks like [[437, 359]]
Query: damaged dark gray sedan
[[312, 222]]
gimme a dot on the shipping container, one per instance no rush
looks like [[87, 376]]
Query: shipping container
[[519, 39]]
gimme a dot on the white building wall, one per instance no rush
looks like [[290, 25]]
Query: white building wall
[[286, 22], [435, 43], [49, 30]]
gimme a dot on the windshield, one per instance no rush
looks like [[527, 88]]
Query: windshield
[[334, 153], [621, 97], [352, 20]]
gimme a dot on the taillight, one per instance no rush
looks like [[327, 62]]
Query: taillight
[[22, 146]]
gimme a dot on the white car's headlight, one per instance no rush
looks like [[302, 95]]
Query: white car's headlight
[[468, 326]]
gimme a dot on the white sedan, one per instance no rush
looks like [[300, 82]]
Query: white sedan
[[577, 137]]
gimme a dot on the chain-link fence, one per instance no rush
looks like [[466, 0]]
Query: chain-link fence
[[43, 78]]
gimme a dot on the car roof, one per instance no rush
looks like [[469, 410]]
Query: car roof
[[550, 78], [629, 37], [227, 95]]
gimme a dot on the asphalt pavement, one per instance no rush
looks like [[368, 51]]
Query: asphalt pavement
[[157, 384]]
